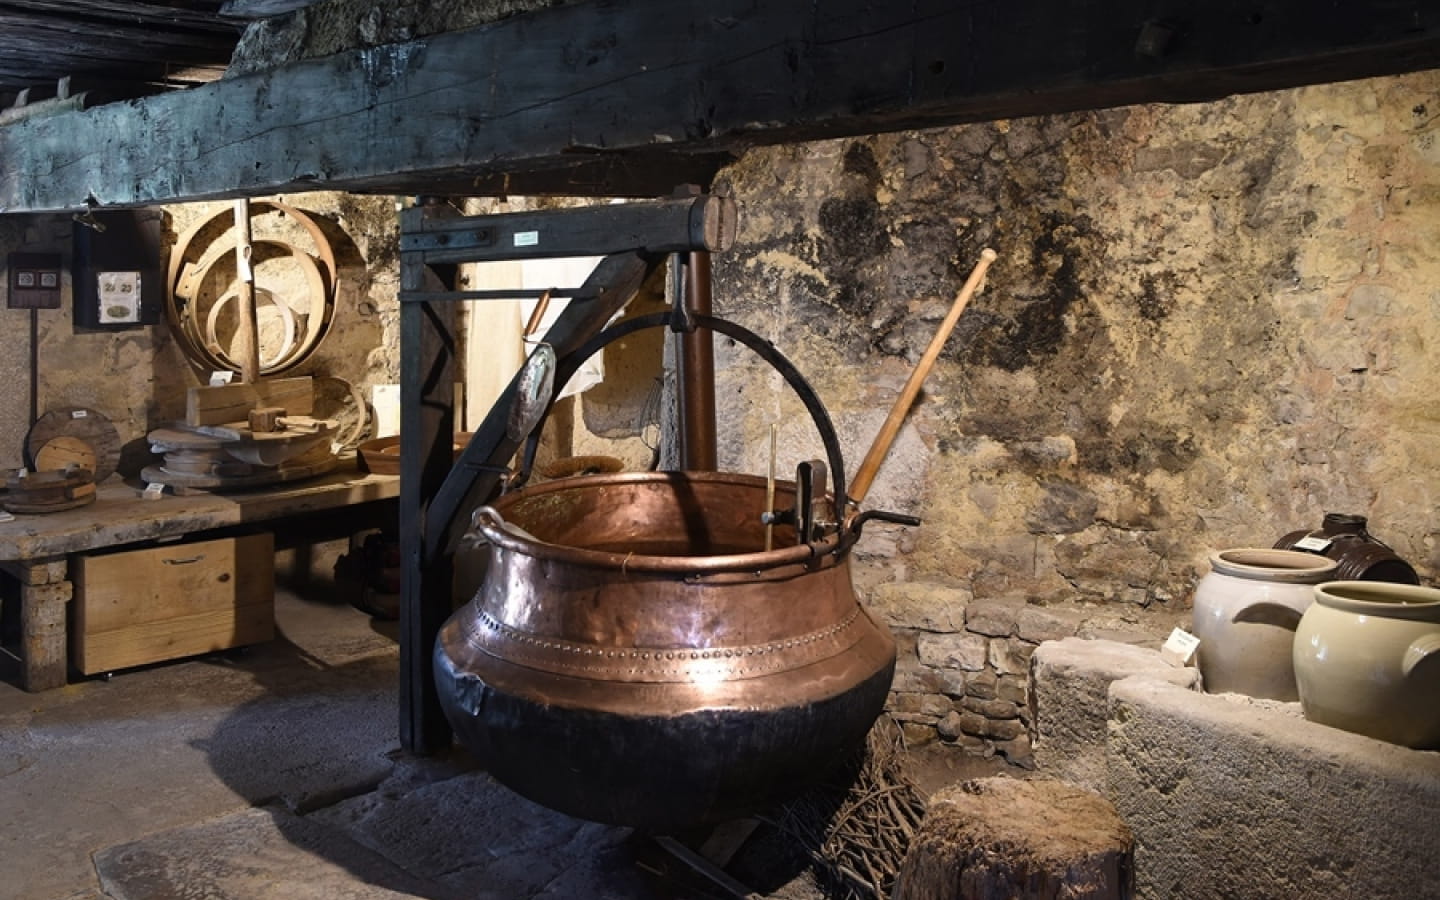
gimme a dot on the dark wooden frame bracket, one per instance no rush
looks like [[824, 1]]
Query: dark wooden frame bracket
[[436, 494]]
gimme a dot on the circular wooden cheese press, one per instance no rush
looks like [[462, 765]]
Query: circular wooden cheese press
[[199, 315], [637, 656]]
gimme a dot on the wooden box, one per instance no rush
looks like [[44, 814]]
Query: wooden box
[[143, 606]]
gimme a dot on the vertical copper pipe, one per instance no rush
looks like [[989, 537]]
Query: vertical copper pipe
[[697, 374]]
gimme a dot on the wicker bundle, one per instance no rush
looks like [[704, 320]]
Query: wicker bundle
[[858, 826]]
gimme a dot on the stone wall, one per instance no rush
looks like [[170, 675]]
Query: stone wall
[[1209, 325], [962, 674]]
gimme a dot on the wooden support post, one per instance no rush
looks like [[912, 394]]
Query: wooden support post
[[45, 594], [427, 414], [436, 498]]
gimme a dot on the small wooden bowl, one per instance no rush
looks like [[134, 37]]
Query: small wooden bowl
[[381, 456]]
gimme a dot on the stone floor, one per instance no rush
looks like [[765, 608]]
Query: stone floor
[[276, 772]]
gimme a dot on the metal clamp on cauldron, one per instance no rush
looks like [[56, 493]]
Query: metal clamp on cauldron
[[635, 655]]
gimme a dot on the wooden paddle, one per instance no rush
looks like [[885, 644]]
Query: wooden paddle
[[860, 486]]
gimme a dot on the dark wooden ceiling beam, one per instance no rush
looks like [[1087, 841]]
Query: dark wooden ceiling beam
[[110, 36], [534, 93], [195, 16], [263, 9]]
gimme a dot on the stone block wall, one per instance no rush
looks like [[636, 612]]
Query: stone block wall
[[962, 676], [1231, 797]]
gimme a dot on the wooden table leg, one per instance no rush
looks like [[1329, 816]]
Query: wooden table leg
[[45, 592]]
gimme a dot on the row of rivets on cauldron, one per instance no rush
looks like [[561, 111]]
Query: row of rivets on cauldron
[[689, 664]]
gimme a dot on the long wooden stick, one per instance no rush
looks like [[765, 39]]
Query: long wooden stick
[[860, 486], [247, 333]]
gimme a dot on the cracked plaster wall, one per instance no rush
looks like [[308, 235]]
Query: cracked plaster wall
[[1209, 324]]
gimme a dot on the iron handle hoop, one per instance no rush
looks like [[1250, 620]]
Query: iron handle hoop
[[566, 368]]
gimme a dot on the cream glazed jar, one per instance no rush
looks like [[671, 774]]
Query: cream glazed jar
[[1245, 613], [1367, 659]]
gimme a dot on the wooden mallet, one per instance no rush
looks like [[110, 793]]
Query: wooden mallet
[[860, 486]]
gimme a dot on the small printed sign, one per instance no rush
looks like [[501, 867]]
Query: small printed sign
[[1180, 647], [527, 238]]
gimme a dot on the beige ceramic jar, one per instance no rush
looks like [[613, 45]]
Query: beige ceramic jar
[[1245, 612], [1367, 659]]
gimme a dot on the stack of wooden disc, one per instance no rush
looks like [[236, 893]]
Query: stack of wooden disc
[[44, 492], [233, 456]]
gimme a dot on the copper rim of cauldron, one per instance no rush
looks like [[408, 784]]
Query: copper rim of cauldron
[[491, 524]]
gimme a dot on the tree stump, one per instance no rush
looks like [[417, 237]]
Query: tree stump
[[1004, 838]]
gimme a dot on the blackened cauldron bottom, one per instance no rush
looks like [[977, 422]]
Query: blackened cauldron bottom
[[656, 773]]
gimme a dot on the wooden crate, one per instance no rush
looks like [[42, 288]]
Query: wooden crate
[[143, 606]]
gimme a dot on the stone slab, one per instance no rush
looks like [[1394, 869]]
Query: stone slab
[[469, 833], [1233, 798], [257, 853], [1069, 681]]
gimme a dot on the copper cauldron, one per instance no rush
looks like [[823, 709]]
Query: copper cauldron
[[636, 656]]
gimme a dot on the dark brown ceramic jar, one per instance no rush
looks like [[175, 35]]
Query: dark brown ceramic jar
[[1358, 555]]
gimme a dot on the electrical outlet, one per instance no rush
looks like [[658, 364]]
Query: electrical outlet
[[34, 281]]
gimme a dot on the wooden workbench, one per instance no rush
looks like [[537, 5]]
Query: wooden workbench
[[35, 549]]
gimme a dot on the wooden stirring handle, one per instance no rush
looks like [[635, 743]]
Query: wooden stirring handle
[[860, 486]]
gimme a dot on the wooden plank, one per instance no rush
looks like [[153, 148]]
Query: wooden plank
[[196, 15], [176, 638], [538, 90], [226, 403], [262, 9], [654, 226], [119, 516], [144, 606]]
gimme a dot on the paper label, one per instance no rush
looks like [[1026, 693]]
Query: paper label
[[1180, 647], [1313, 543], [221, 377], [79, 413], [6, 516], [153, 491], [527, 238]]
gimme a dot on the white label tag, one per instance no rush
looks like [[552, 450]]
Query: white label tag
[[79, 413], [527, 238], [153, 490], [1180, 647], [1313, 543], [23, 473], [6, 516], [221, 377]]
